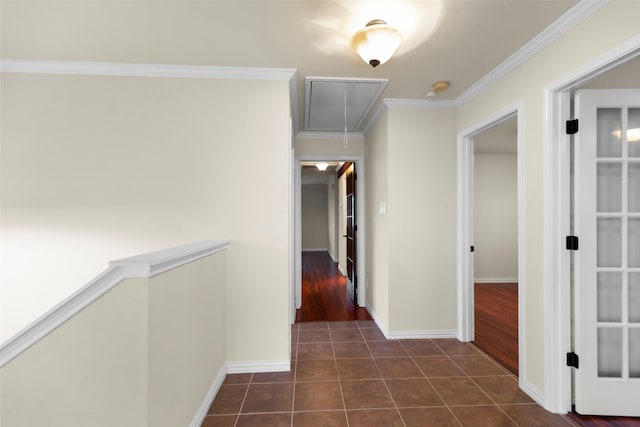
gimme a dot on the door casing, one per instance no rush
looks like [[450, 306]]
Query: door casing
[[557, 214], [465, 276], [360, 221]]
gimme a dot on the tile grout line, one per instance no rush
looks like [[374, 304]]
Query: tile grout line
[[478, 385], [295, 373], [335, 363], [429, 381], [243, 400], [384, 381]]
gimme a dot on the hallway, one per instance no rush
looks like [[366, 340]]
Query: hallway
[[347, 374], [324, 291]]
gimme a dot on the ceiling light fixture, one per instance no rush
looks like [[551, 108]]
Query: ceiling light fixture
[[376, 42], [322, 166]]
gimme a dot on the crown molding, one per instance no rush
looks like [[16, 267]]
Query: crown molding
[[140, 266], [570, 19], [8, 65], [420, 103], [389, 103], [375, 116], [305, 134]]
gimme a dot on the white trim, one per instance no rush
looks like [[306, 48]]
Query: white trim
[[154, 263], [446, 104], [305, 134], [360, 218], [146, 265], [465, 281], [388, 103], [557, 299], [307, 97], [315, 250], [293, 100], [415, 335], [533, 392], [259, 366], [375, 116], [208, 399], [8, 65], [376, 319], [496, 280], [560, 26]]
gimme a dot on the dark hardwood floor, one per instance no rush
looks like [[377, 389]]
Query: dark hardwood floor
[[496, 322], [324, 291], [592, 421]]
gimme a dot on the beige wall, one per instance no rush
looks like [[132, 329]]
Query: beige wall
[[421, 219], [333, 147], [495, 215], [315, 227], [145, 353], [96, 168], [613, 24], [187, 330], [377, 228], [90, 371]]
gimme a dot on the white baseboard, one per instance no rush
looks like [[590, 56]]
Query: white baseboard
[[376, 319], [495, 280], [315, 250], [533, 392], [259, 366], [414, 335], [208, 400]]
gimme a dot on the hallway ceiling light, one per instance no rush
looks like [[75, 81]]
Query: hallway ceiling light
[[376, 42], [633, 135], [322, 166]]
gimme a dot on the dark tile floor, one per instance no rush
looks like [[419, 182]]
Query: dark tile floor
[[347, 374]]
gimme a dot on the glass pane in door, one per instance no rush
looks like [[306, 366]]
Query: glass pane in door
[[634, 297], [633, 134], [609, 192], [609, 242], [634, 186], [634, 352], [634, 242], [609, 122], [610, 352], [609, 297]]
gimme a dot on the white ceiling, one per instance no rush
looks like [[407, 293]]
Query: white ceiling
[[455, 40]]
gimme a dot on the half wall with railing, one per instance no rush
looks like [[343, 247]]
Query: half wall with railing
[[143, 344]]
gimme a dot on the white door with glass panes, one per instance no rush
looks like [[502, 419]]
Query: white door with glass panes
[[607, 262]]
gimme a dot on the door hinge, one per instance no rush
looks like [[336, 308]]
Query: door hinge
[[573, 360], [572, 126], [473, 248], [572, 243]]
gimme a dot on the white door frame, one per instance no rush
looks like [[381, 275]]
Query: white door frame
[[360, 222], [465, 277], [557, 261]]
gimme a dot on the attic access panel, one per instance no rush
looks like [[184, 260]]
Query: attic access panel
[[325, 102]]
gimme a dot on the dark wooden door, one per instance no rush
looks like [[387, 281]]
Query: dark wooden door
[[352, 280]]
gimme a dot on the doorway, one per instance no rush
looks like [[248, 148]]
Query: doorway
[[332, 261], [559, 320], [508, 121], [495, 242]]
